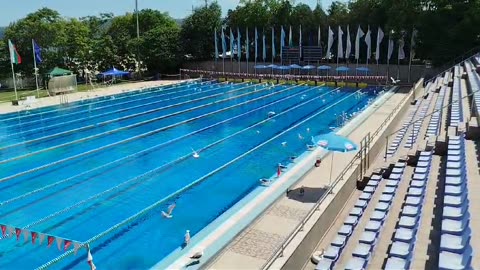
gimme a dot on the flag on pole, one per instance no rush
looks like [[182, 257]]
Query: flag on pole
[[273, 44], [319, 39], [38, 52], [380, 36], [264, 53], [390, 48], [216, 44], [256, 44], [368, 41], [349, 44], [15, 58], [239, 44], [413, 43], [282, 41], [401, 52], [330, 42], [232, 42], [224, 45], [360, 34], [290, 38], [340, 43], [300, 41], [247, 46]]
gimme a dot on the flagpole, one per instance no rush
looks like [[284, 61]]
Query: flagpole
[[35, 67], [410, 60], [14, 82]]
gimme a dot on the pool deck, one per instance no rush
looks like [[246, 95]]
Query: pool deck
[[7, 107]]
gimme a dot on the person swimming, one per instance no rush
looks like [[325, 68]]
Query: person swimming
[[195, 153], [168, 214]]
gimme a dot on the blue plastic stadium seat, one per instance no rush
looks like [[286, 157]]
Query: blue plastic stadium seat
[[455, 190], [455, 243], [375, 177], [411, 211], [351, 220], [378, 215], [453, 153], [454, 172], [400, 249], [356, 263], [365, 196], [368, 237], [454, 164], [408, 222], [417, 183], [395, 263], [332, 253], [387, 198], [361, 203], [454, 212], [416, 192], [455, 201], [369, 189], [456, 227], [423, 164], [324, 264], [373, 183], [454, 261], [339, 241], [391, 183], [397, 170], [373, 226], [404, 235], [362, 251], [421, 170], [454, 180], [382, 206], [345, 230], [356, 212], [389, 190]]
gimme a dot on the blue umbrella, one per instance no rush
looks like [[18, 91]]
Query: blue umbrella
[[324, 67], [260, 67], [295, 66], [335, 143]]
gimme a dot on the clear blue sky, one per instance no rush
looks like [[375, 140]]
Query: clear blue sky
[[12, 10]]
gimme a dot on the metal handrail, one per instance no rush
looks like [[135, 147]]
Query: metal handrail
[[299, 228]]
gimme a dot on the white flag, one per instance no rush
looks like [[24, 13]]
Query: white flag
[[368, 41], [390, 48], [290, 39], [319, 37], [349, 44], [412, 43], [340, 43], [401, 52], [330, 42], [360, 34], [379, 40]]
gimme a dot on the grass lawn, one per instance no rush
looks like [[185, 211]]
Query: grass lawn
[[9, 94]]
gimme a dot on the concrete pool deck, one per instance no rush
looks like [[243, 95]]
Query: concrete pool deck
[[7, 107], [252, 248]]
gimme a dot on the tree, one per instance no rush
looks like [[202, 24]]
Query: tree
[[198, 30]]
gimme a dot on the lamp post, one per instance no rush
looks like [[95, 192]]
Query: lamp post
[[138, 39]]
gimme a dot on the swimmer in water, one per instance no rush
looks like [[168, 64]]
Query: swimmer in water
[[284, 144], [195, 154]]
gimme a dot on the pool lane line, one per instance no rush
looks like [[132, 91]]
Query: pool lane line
[[88, 113], [147, 121], [156, 170], [196, 182], [140, 135], [173, 88], [155, 147]]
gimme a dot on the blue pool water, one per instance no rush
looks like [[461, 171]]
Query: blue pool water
[[102, 170]]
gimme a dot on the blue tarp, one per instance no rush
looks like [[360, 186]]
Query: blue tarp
[[114, 72]]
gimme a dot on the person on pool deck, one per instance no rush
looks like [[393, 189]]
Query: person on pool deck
[[187, 238], [318, 162]]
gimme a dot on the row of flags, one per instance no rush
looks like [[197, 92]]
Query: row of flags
[[341, 53], [40, 238], [15, 57]]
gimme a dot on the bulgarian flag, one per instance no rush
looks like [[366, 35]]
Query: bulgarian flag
[[14, 56]]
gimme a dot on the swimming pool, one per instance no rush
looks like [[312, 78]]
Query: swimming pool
[[102, 170]]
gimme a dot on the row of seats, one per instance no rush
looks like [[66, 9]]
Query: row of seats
[[369, 238], [474, 83], [406, 230], [455, 249], [435, 121], [333, 252], [401, 133], [456, 115], [412, 138]]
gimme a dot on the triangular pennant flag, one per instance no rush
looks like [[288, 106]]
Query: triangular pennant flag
[[18, 232], [59, 243], [50, 240], [67, 245], [4, 230], [41, 237], [26, 235], [34, 237], [76, 247]]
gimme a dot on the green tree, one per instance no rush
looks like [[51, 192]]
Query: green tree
[[198, 30]]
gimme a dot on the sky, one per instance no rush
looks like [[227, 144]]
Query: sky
[[12, 10]]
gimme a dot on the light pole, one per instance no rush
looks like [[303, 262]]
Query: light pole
[[138, 39]]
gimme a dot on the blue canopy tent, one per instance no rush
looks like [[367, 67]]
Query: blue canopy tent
[[281, 68], [363, 69], [327, 68], [297, 67], [114, 73], [342, 69]]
